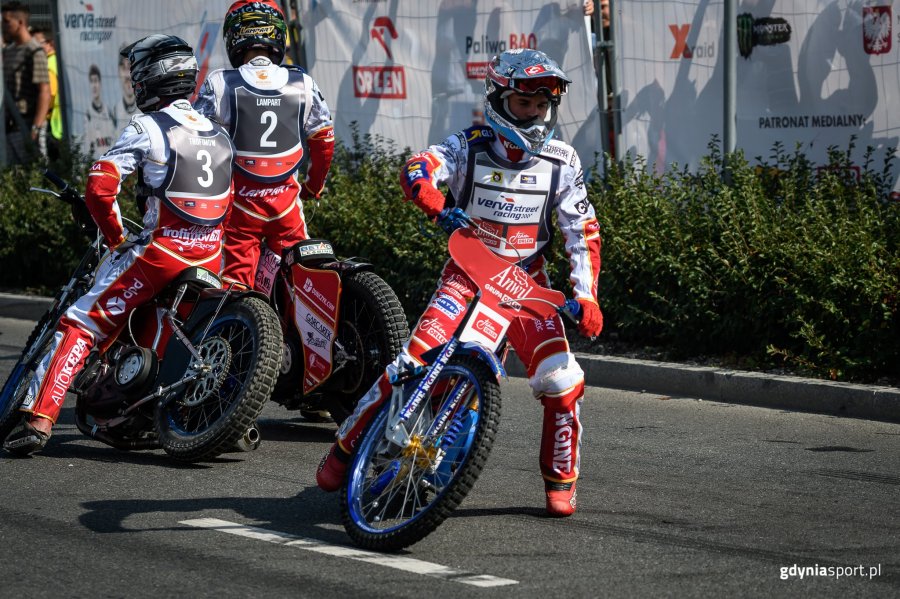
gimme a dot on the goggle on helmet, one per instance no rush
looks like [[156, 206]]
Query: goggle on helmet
[[528, 72]]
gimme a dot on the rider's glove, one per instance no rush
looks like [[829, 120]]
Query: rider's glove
[[591, 318], [451, 219], [128, 240], [428, 198], [307, 194]]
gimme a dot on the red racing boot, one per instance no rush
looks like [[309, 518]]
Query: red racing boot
[[560, 498], [332, 469]]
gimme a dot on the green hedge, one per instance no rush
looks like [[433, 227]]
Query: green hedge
[[783, 265]]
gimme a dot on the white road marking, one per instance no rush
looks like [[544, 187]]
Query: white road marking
[[398, 562]]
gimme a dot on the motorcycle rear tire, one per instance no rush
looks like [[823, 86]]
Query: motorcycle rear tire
[[372, 328], [202, 431]]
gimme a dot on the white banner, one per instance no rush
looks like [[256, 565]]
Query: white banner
[[814, 72], [413, 72], [97, 83]]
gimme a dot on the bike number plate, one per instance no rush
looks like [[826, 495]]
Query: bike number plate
[[486, 327]]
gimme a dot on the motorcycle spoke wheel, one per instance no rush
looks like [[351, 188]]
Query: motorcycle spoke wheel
[[395, 496], [15, 390], [371, 329], [243, 351]]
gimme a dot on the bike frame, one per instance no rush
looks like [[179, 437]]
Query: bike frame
[[505, 291]]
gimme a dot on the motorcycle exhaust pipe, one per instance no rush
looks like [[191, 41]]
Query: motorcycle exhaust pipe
[[250, 440]]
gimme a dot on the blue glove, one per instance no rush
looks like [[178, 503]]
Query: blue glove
[[451, 219]]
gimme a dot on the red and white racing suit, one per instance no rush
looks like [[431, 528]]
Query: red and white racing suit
[[513, 195], [278, 121], [186, 163]]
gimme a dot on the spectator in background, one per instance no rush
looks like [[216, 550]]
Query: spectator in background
[[99, 124], [127, 106], [44, 36], [27, 87]]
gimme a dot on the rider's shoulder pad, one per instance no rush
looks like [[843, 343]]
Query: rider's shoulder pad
[[294, 67], [560, 152]]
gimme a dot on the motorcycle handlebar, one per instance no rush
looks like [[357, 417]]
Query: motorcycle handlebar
[[573, 310], [68, 194], [55, 179]]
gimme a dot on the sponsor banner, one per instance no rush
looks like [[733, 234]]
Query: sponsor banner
[[813, 73], [413, 72], [97, 84]]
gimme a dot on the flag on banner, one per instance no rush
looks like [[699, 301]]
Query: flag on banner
[[814, 72]]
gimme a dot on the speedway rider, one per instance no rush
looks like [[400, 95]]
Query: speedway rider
[[182, 157], [278, 120], [510, 177]]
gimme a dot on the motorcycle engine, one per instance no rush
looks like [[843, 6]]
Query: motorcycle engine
[[120, 378]]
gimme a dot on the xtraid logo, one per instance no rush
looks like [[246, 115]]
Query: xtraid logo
[[683, 50]]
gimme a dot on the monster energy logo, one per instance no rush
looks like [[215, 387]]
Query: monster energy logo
[[767, 31]]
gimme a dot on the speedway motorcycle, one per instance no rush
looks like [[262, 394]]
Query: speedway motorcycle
[[341, 323], [423, 451], [189, 373]]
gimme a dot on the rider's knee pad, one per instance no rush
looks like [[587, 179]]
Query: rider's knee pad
[[557, 379]]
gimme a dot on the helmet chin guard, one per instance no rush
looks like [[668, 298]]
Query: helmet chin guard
[[527, 72]]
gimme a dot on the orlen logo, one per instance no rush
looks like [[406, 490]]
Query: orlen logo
[[380, 26], [387, 82], [681, 48], [521, 239], [379, 82], [488, 327], [877, 29]]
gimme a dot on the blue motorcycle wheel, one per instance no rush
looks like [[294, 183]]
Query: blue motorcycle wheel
[[394, 497]]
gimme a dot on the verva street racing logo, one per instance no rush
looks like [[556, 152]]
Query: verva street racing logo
[[876, 29], [387, 82]]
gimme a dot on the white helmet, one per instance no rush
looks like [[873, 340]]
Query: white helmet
[[526, 72]]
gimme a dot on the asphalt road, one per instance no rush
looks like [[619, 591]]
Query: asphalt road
[[678, 497]]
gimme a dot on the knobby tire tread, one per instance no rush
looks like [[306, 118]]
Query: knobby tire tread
[[438, 511], [383, 302], [223, 436]]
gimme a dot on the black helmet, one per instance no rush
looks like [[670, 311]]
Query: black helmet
[[162, 66], [254, 24]]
